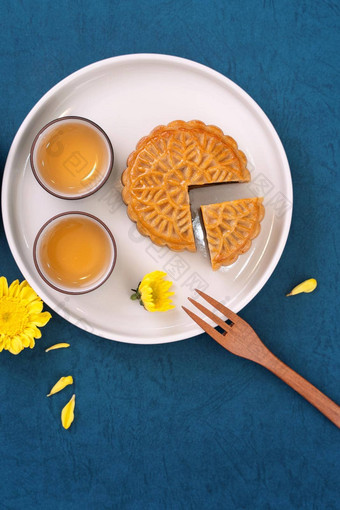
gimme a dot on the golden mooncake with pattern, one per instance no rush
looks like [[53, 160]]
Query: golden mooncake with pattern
[[165, 164], [230, 228]]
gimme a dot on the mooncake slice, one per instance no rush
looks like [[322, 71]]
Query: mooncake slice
[[230, 228]]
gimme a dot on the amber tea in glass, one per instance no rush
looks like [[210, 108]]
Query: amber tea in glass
[[75, 252], [71, 157]]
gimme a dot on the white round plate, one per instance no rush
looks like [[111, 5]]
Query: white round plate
[[128, 96]]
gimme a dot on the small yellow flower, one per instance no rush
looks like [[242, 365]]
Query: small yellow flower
[[21, 316], [153, 292]]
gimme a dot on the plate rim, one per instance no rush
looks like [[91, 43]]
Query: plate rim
[[139, 57]]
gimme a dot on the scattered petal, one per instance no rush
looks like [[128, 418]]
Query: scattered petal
[[67, 414], [61, 384], [306, 286], [57, 346]]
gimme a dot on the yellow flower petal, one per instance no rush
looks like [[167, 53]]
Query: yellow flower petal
[[25, 340], [16, 346], [23, 285], [36, 306], [67, 414], [13, 288], [40, 319], [37, 332], [57, 346], [28, 294], [3, 286], [61, 384], [306, 286]]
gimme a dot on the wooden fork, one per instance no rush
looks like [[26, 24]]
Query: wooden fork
[[240, 339]]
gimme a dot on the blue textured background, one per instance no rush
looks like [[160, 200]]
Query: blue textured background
[[187, 425]]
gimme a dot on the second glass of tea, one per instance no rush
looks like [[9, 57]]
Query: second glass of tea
[[74, 252]]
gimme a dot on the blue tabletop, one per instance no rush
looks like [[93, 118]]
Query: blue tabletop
[[187, 425]]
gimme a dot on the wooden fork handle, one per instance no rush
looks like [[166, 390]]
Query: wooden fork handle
[[324, 404]]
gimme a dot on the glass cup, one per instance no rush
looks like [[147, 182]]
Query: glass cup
[[71, 157], [74, 252]]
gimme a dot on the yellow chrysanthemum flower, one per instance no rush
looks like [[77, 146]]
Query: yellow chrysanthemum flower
[[21, 316], [153, 292]]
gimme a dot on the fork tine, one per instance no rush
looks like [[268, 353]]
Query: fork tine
[[221, 308], [208, 329], [211, 315]]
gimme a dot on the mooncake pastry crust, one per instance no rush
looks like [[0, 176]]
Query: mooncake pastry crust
[[162, 168], [230, 228]]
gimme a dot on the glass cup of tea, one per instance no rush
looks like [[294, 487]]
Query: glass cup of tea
[[71, 157], [74, 252]]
